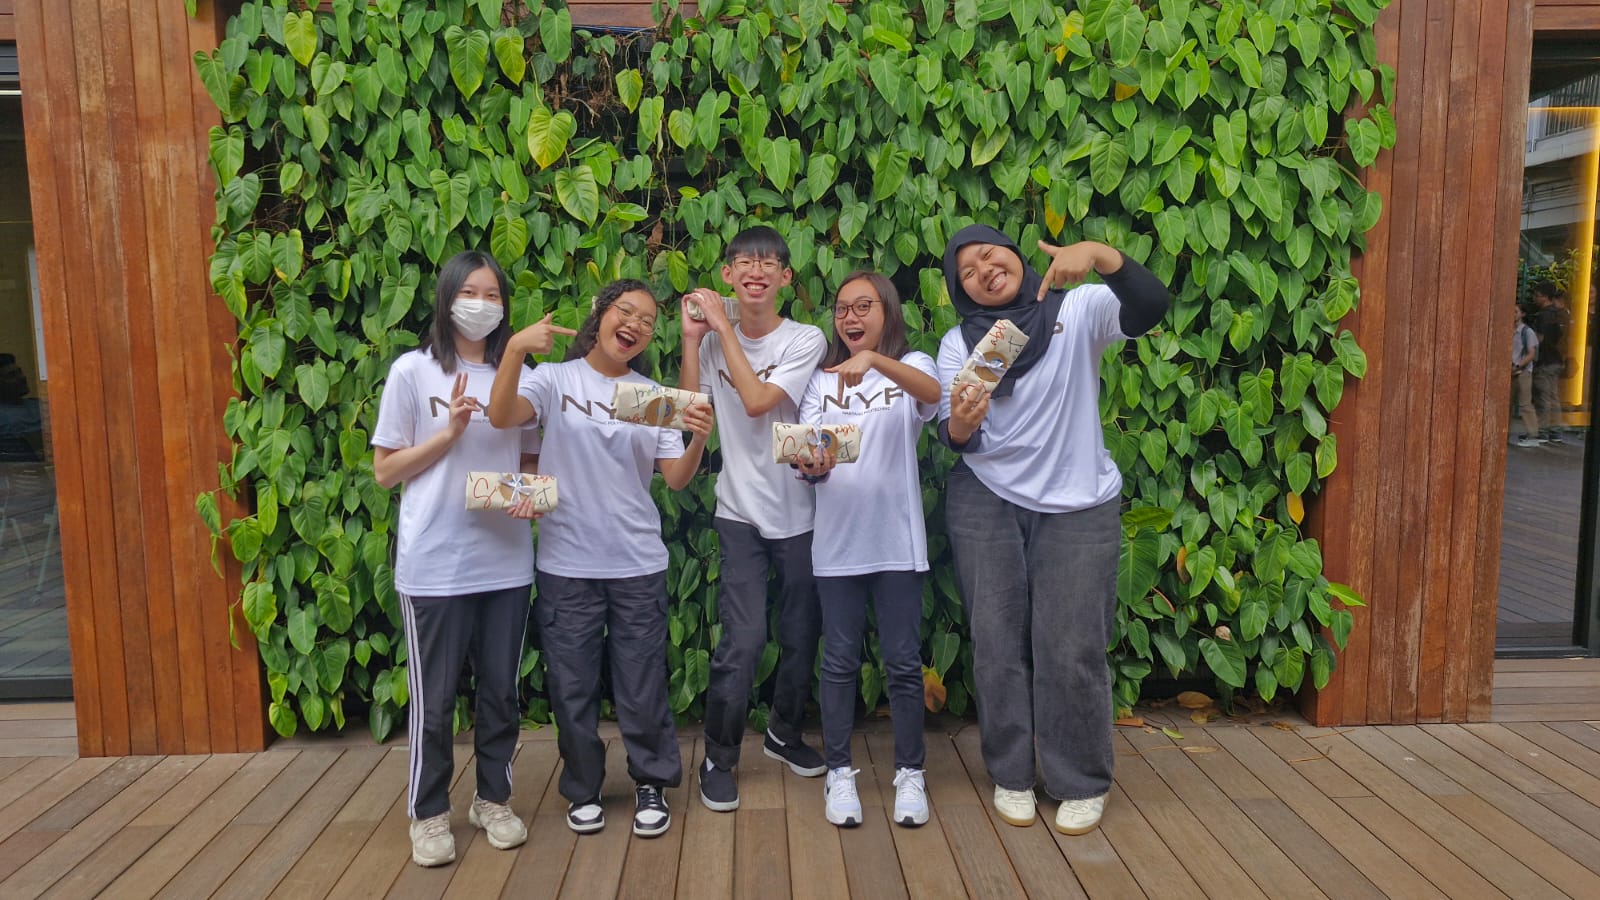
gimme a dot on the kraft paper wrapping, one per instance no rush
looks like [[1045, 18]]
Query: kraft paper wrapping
[[653, 404], [790, 443], [498, 490], [730, 305], [995, 353]]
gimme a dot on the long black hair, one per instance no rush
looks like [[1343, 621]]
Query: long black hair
[[441, 336], [892, 341], [589, 332]]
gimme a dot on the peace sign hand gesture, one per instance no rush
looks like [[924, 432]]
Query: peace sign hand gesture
[[461, 406]]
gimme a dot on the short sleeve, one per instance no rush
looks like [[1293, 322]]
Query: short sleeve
[[532, 439], [397, 410], [708, 363], [669, 444], [534, 385], [923, 363], [811, 401], [1097, 308], [952, 355], [799, 362]]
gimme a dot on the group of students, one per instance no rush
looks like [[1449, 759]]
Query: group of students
[[1032, 511]]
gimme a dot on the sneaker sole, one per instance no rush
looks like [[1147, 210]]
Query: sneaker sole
[[433, 863], [585, 827], [846, 822], [798, 770], [913, 821], [657, 831], [1074, 831], [719, 805]]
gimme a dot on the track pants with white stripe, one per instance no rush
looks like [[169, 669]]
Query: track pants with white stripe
[[442, 633]]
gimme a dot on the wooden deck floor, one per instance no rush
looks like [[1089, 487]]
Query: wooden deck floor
[[1539, 544], [1272, 808]]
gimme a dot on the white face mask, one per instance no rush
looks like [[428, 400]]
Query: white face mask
[[475, 318]]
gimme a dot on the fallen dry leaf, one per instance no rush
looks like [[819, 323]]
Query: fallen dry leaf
[[1203, 716], [1131, 721], [1200, 748], [1286, 726], [1194, 700]]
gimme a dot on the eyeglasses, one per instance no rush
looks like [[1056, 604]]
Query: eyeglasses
[[859, 307], [754, 264], [629, 314]]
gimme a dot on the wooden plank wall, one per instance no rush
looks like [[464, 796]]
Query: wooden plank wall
[[116, 125], [8, 20], [1412, 516]]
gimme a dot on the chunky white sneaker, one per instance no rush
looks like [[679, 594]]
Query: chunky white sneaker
[[1080, 816], [840, 802], [1015, 807], [432, 844], [498, 822], [910, 797]]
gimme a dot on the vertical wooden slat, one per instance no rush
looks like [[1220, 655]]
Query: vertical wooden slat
[[116, 131]]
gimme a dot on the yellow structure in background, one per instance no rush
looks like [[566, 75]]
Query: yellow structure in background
[[1587, 178]]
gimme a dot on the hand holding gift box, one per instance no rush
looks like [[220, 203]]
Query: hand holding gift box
[[730, 306], [798, 443], [501, 490], [995, 353], [654, 404]]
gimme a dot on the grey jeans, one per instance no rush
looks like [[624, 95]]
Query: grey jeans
[[1040, 595]]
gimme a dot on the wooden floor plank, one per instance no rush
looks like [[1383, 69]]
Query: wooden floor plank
[[1035, 857], [596, 866], [1492, 759], [415, 882], [319, 867], [979, 854], [489, 875], [925, 862], [43, 797], [708, 839], [761, 831], [1568, 776], [1437, 864], [81, 836], [816, 858], [540, 869], [34, 772], [181, 842]]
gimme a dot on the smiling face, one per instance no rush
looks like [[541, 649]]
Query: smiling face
[[990, 274], [859, 330], [756, 279], [626, 327]]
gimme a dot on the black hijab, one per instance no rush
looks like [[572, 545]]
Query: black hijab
[[1036, 318]]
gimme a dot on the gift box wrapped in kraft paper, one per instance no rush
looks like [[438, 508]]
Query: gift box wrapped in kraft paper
[[792, 443], [498, 490], [995, 353], [653, 404], [730, 305]]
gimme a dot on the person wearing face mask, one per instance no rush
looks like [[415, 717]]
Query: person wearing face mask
[[463, 576], [1033, 511]]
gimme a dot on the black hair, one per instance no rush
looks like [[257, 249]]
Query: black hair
[[761, 241], [1544, 286], [589, 332], [441, 336], [892, 341]]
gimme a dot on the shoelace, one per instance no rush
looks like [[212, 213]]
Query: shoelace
[[436, 827], [1079, 807], [908, 786], [494, 813], [649, 796], [844, 787]]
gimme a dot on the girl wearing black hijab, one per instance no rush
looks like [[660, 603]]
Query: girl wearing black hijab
[[1033, 511]]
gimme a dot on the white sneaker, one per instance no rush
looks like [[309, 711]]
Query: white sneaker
[[498, 822], [432, 844], [1080, 816], [910, 797], [1015, 807], [840, 802]]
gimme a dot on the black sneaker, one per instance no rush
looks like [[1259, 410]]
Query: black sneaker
[[802, 759], [650, 816], [585, 818], [718, 790]]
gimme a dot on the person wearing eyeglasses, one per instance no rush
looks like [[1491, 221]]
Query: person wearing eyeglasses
[[462, 577], [1033, 511], [870, 542], [756, 372], [602, 568]]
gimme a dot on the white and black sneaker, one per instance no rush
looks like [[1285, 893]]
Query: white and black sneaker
[[840, 803], [586, 818], [910, 797], [802, 759], [718, 790], [650, 815]]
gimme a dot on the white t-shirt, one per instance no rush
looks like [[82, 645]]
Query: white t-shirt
[[446, 549], [605, 524], [752, 488], [1042, 448], [869, 512]]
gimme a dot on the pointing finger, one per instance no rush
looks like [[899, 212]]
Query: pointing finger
[[558, 329]]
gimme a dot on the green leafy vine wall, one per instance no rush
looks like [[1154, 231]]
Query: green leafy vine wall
[[1214, 141]]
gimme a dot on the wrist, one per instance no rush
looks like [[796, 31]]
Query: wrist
[[1107, 260]]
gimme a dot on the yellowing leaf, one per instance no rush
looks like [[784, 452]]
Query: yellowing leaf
[[1193, 700], [1054, 219], [1071, 26], [1183, 564], [933, 692], [1172, 733], [1124, 91], [1297, 507], [1131, 721]]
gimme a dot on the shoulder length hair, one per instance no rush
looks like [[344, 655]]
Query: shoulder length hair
[[440, 338], [589, 332], [892, 341]]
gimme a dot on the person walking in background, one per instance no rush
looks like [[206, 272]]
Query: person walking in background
[[1524, 348], [1550, 325]]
